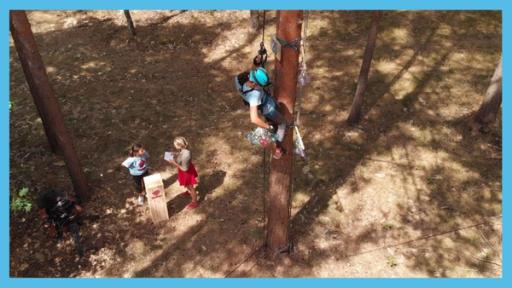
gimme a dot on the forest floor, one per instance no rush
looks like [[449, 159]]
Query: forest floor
[[409, 192]]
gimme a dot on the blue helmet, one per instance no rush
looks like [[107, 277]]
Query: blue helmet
[[259, 76]]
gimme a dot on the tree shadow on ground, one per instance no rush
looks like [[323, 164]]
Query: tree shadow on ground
[[161, 84], [390, 112], [209, 183], [138, 90], [319, 202]]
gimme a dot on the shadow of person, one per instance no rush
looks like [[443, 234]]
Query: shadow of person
[[209, 183], [168, 182], [177, 204], [206, 186]]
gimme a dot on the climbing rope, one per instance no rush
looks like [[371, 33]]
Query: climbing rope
[[261, 58], [303, 80], [263, 28], [303, 77], [265, 182], [262, 54]]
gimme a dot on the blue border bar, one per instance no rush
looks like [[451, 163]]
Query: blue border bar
[[506, 119], [6, 5], [257, 282], [4, 144]]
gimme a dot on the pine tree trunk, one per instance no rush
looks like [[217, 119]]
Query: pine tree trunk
[[44, 98], [129, 20], [278, 205], [29, 46], [492, 101], [357, 104]]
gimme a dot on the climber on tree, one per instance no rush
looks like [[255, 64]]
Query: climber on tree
[[251, 86]]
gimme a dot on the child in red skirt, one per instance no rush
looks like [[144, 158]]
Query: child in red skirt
[[187, 174]]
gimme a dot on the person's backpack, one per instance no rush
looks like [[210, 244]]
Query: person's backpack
[[63, 211], [242, 78]]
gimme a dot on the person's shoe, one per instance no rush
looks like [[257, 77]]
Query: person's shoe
[[192, 205], [140, 200]]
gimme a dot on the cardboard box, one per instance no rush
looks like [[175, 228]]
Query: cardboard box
[[155, 194]]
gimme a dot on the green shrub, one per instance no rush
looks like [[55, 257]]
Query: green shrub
[[21, 202]]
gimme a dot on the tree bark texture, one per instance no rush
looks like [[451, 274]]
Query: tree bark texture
[[278, 205], [357, 104], [38, 71], [492, 101], [45, 99]]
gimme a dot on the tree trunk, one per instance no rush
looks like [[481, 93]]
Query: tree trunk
[[44, 98], [278, 205], [129, 21], [255, 22], [33, 83], [357, 104], [492, 101]]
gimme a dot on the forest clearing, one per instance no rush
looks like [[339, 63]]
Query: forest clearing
[[410, 189]]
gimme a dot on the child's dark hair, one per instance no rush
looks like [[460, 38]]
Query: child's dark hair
[[135, 148]]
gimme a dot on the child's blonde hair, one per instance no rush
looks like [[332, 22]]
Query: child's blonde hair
[[180, 142]]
